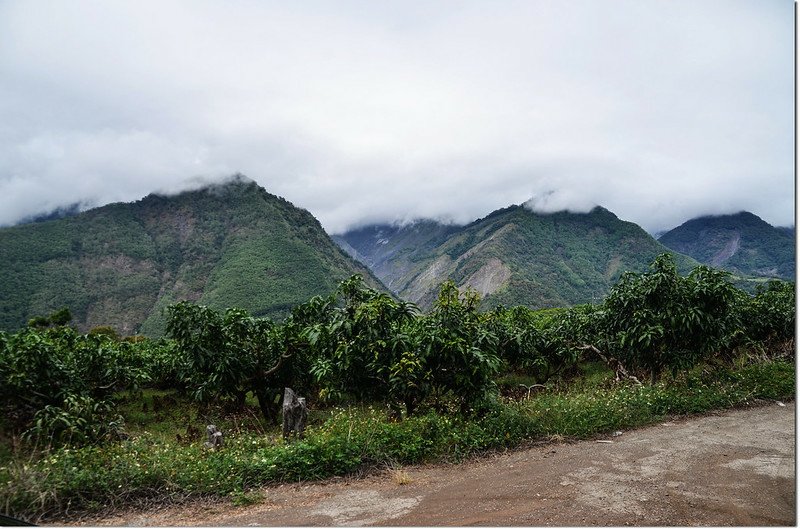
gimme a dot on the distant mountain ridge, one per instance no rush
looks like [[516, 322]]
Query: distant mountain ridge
[[512, 256], [61, 212], [384, 245], [742, 243], [227, 245]]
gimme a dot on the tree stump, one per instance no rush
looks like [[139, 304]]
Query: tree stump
[[214, 437], [294, 414]]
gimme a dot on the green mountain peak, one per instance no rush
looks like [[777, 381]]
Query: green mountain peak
[[742, 243], [230, 244], [511, 256]]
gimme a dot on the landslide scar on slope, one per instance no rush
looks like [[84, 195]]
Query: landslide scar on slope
[[490, 277], [728, 251]]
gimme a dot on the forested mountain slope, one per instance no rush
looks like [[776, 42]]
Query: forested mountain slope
[[742, 243], [513, 256], [227, 245]]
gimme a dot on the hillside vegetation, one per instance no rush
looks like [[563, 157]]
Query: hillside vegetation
[[741, 243], [511, 257], [120, 265]]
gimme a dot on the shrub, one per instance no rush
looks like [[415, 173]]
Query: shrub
[[659, 320], [223, 356], [363, 348], [57, 373], [458, 351], [769, 316], [79, 421]]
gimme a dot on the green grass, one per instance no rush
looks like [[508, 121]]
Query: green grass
[[152, 463]]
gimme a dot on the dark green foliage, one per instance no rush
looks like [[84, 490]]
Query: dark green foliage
[[58, 318], [363, 348], [78, 421], [770, 315], [161, 360], [223, 356], [660, 320], [371, 347], [59, 382], [543, 343], [105, 330], [459, 352]]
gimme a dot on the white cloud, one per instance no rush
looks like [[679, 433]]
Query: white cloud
[[658, 109], [561, 200]]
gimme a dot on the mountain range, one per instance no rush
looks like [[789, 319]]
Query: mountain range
[[236, 245], [512, 256]]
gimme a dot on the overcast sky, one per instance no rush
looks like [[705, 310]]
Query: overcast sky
[[659, 110]]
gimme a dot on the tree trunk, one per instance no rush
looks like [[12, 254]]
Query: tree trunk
[[411, 405], [241, 400], [266, 403]]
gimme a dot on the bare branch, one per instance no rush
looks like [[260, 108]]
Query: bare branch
[[619, 369], [265, 373], [530, 388], [276, 366]]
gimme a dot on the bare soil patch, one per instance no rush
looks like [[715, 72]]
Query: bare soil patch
[[731, 468]]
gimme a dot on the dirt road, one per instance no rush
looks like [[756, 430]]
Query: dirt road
[[734, 468]]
